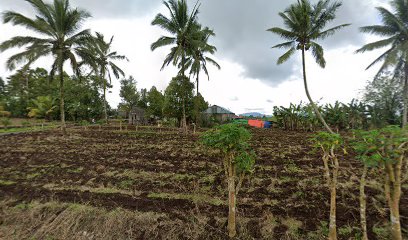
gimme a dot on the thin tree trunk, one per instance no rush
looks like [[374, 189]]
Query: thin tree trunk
[[363, 203], [62, 104], [197, 83], [315, 108], [184, 120], [332, 224], [393, 195], [405, 97], [231, 201], [105, 111]]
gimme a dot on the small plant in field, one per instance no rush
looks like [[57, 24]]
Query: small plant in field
[[365, 146], [4, 113], [238, 160], [5, 122], [25, 124], [330, 144], [85, 124], [386, 148]]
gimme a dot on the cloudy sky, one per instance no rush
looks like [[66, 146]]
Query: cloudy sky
[[249, 79]]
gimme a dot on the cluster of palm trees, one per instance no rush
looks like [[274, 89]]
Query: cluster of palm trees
[[60, 27], [306, 24], [188, 39]]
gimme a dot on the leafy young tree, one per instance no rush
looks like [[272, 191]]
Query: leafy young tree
[[155, 101], [394, 29], [200, 105], [178, 99], [143, 98], [329, 144], [305, 23], [59, 24], [238, 160], [128, 93], [42, 107], [384, 95], [363, 146], [99, 55]]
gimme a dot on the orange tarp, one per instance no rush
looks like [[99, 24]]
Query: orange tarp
[[256, 123]]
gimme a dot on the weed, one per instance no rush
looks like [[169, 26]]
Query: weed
[[6, 182]]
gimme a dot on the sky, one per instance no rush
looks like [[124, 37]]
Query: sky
[[249, 79]]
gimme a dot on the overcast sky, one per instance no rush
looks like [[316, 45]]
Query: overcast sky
[[249, 79]]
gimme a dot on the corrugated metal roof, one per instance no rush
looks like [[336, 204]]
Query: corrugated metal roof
[[217, 110]]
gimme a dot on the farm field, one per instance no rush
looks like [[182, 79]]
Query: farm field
[[151, 184]]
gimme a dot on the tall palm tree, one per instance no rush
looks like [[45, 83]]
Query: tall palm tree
[[59, 24], [98, 54], [198, 58], [182, 26], [305, 23], [394, 29]]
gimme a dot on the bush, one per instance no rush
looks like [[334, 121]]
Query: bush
[[5, 122]]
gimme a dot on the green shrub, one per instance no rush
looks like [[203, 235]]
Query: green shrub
[[5, 122]]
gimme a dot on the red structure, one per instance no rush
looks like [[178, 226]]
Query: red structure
[[256, 123]]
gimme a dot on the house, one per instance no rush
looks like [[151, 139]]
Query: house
[[136, 116], [218, 113]]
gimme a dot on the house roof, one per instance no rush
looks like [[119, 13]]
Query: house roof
[[214, 109]]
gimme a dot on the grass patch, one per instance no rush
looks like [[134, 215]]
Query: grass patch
[[32, 175], [6, 182], [77, 170]]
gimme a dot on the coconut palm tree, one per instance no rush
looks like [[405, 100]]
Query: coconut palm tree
[[59, 25], [182, 27], [394, 29], [98, 54], [198, 58], [305, 23]]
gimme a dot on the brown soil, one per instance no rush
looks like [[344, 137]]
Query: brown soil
[[163, 171]]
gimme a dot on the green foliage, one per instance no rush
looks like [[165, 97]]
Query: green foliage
[[155, 104], [231, 140], [327, 142], [393, 29], [182, 26], [305, 23], [200, 105], [384, 97], [5, 122], [128, 93], [4, 113], [376, 147], [179, 91], [84, 123], [43, 106]]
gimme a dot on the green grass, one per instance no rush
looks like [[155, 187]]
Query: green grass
[[6, 182], [26, 129]]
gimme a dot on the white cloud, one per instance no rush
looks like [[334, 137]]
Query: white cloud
[[230, 87]]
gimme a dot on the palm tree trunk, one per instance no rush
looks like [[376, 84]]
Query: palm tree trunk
[[405, 97], [184, 121], [316, 110], [197, 84], [105, 111], [62, 104]]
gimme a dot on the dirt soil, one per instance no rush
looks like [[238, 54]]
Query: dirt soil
[[163, 171]]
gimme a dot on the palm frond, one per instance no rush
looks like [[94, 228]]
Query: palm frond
[[286, 56]]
